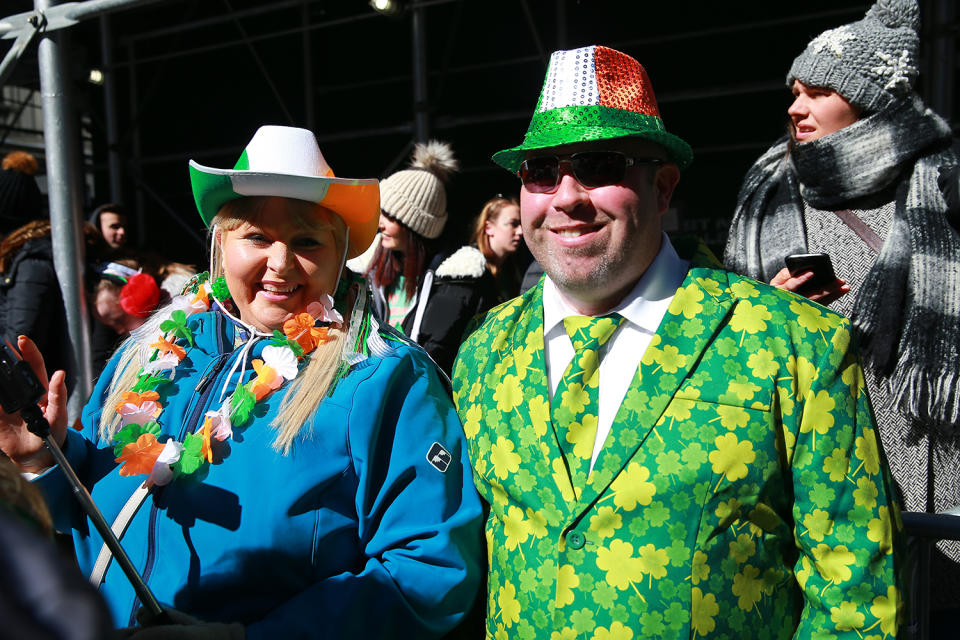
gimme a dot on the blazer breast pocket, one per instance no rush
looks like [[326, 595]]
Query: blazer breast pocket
[[721, 442]]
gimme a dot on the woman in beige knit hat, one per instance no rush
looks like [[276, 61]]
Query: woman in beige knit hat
[[430, 297]]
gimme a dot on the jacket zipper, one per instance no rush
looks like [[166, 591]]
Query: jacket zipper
[[203, 388]]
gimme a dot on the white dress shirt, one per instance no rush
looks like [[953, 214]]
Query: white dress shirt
[[643, 308]]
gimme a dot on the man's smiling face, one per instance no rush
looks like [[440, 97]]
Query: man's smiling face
[[595, 243]]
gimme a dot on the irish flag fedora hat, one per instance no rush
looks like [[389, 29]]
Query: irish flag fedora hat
[[286, 161], [594, 93]]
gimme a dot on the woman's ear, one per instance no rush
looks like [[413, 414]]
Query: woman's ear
[[488, 227]]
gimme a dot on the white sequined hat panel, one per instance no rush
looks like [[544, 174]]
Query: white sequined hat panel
[[572, 80]]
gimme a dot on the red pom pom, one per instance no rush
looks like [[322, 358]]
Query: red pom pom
[[139, 297]]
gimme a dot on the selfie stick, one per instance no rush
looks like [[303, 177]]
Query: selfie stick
[[19, 375]]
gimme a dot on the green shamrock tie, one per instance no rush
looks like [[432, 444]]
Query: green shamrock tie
[[576, 402]]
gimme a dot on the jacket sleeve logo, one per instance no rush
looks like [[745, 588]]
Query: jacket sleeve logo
[[439, 457]]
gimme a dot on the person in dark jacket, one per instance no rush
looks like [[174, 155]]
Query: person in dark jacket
[[20, 197], [498, 235], [30, 300], [430, 297], [42, 594], [113, 223]]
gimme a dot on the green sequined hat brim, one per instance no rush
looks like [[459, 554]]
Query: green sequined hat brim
[[568, 125]]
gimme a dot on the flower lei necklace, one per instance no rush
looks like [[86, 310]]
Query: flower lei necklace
[[136, 445]]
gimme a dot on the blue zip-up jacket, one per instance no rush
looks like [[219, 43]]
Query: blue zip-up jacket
[[355, 533]]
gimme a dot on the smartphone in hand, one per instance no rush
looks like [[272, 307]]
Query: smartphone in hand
[[818, 263]]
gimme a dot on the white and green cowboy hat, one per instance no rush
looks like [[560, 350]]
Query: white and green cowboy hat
[[286, 161], [594, 93]]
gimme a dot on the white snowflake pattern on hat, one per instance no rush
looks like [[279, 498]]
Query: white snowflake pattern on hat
[[833, 40], [898, 69]]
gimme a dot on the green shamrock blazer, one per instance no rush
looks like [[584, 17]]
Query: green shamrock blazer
[[740, 494]]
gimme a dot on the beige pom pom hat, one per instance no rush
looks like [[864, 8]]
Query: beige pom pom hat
[[417, 197], [286, 162]]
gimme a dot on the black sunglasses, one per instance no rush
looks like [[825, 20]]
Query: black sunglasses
[[592, 169]]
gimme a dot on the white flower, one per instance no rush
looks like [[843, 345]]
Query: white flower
[[833, 40], [323, 310], [189, 303], [162, 474], [164, 362], [132, 414], [220, 427], [282, 360]]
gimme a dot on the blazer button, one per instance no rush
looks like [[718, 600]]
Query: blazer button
[[576, 540]]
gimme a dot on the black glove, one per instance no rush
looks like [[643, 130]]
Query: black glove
[[182, 627]]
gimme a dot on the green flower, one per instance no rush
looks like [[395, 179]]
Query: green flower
[[147, 382], [280, 340], [241, 403], [191, 458], [129, 433], [177, 324], [220, 289]]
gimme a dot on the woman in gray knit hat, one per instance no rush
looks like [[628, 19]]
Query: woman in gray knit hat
[[430, 296], [858, 180]]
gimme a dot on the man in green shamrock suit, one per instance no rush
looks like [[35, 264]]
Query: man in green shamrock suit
[[667, 449]]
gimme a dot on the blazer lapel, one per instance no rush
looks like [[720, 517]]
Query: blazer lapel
[[704, 295], [527, 361]]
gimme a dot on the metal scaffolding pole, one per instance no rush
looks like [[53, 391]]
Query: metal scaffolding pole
[[421, 115], [114, 163], [61, 142], [136, 157]]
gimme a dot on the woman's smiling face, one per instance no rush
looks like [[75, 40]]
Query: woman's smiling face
[[280, 259]]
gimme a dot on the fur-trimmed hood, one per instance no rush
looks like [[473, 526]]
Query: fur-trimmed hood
[[465, 262]]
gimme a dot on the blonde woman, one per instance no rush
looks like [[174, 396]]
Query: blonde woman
[[498, 235], [307, 474]]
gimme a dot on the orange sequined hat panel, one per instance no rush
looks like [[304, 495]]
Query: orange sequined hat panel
[[622, 83]]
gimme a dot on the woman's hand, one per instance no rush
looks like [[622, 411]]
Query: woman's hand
[[823, 295], [26, 450]]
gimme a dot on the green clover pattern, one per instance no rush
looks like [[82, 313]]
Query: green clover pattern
[[741, 491]]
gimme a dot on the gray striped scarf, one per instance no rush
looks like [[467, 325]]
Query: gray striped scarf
[[907, 313]]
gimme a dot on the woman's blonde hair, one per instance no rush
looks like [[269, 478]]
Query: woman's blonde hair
[[22, 498], [305, 393], [490, 212]]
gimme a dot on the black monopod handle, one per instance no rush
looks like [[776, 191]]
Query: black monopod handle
[[38, 425], [20, 391]]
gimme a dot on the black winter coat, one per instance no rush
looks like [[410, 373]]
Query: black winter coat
[[462, 287], [31, 305]]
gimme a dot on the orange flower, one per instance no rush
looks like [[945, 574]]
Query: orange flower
[[266, 381], [205, 450], [201, 300], [164, 346], [301, 330], [140, 456], [137, 399]]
